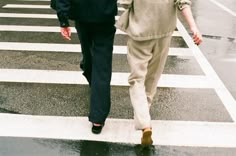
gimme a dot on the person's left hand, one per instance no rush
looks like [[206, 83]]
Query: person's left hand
[[197, 36], [66, 33]]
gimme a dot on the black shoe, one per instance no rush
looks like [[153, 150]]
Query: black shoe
[[97, 129], [88, 78], [82, 66]]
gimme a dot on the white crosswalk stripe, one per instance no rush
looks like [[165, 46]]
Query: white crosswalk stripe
[[174, 133], [25, 6], [118, 79], [26, 15], [50, 47], [170, 133], [48, 29], [34, 0]]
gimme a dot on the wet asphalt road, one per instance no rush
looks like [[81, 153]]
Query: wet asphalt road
[[21, 147], [184, 104], [219, 31]]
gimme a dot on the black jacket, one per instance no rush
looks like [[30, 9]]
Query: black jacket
[[85, 10]]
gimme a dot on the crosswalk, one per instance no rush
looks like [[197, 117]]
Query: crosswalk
[[198, 133]]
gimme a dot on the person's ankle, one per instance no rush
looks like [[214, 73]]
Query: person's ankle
[[147, 129], [96, 124]]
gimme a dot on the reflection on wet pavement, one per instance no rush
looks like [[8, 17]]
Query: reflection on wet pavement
[[47, 147], [89, 148], [183, 65], [40, 147]]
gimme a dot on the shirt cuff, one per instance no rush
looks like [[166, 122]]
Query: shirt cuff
[[64, 22]]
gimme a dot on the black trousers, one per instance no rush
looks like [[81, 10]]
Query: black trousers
[[97, 47]]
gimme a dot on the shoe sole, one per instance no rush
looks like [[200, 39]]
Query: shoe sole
[[147, 138]]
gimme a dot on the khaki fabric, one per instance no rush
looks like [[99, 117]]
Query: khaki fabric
[[150, 19], [147, 60]]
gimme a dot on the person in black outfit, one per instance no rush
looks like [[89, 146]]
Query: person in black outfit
[[94, 22]]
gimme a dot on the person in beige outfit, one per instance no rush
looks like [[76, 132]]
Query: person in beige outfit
[[149, 25]]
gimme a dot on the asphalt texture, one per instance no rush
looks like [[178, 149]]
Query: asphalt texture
[[181, 104]]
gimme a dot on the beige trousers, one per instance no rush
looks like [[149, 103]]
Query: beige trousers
[[146, 60]]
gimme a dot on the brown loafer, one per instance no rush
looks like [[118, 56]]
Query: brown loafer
[[147, 137]]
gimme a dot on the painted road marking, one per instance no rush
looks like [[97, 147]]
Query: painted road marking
[[228, 60], [173, 133], [25, 15], [76, 77], [25, 28], [50, 47], [223, 7], [167, 133], [121, 9], [26, 6], [35, 0], [219, 87]]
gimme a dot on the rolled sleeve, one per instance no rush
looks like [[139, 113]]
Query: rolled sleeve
[[181, 4], [125, 3]]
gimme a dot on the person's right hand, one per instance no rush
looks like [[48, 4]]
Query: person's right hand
[[66, 33]]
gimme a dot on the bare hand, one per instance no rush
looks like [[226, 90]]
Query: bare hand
[[197, 36], [66, 33]]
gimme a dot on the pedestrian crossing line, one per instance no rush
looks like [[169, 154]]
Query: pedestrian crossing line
[[26, 15], [76, 77], [172, 133], [224, 7], [40, 16], [44, 16], [24, 28], [34, 0], [223, 93], [166, 133], [27, 6], [228, 60], [50, 47]]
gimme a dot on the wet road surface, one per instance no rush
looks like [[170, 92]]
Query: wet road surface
[[20, 147], [193, 112]]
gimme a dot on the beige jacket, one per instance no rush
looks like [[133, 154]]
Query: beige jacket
[[150, 19]]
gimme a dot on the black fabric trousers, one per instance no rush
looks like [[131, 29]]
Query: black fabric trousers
[[97, 47]]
